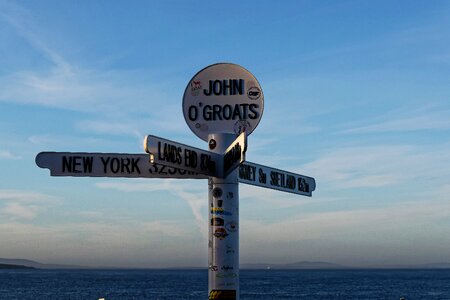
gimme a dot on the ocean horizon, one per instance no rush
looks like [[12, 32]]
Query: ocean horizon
[[127, 284]]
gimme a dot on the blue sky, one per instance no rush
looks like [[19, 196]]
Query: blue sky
[[356, 95]]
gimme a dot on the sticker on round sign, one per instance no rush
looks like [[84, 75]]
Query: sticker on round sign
[[223, 98]]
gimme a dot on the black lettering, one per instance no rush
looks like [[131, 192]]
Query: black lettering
[[75, 163], [290, 182], [155, 169], [244, 110], [87, 164], [192, 113], [231, 157], [206, 163], [226, 111], [208, 92], [125, 164], [237, 112], [247, 172], [262, 176], [134, 165], [238, 87], [161, 171], [178, 155], [171, 153], [226, 86], [253, 109], [282, 181], [207, 115], [217, 109], [190, 158], [217, 87], [67, 164], [303, 186], [115, 165], [274, 179], [160, 157], [105, 162]]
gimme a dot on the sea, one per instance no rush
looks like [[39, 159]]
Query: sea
[[254, 284]]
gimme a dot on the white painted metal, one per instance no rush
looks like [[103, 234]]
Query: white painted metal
[[259, 175], [223, 98], [177, 155], [223, 216], [84, 164]]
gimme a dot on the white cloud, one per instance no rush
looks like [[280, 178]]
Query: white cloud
[[120, 243], [67, 85], [24, 205], [381, 165], [422, 118], [20, 211], [193, 193], [27, 196], [8, 155], [385, 229]]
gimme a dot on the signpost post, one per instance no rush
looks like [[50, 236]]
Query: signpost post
[[222, 105]]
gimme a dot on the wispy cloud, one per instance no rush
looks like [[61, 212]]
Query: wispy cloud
[[4, 154], [24, 205], [388, 228], [423, 118], [380, 165], [120, 243], [68, 85], [193, 194], [19, 19], [27, 196]]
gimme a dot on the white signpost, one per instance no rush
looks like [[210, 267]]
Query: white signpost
[[259, 175], [223, 98], [222, 104], [83, 164], [180, 156]]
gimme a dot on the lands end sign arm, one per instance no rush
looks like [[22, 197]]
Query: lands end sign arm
[[173, 154], [83, 164]]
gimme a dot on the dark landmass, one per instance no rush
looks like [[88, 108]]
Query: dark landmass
[[8, 266], [442, 265], [303, 265], [37, 265]]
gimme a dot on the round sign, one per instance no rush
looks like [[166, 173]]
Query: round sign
[[223, 98]]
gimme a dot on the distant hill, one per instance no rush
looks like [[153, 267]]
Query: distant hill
[[436, 266], [8, 266], [304, 265], [36, 265]]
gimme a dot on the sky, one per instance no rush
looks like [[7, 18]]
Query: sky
[[357, 95]]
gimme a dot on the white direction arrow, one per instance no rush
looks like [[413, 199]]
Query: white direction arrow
[[176, 155], [259, 175], [82, 164]]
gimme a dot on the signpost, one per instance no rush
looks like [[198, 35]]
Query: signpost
[[223, 98], [180, 156], [222, 105], [82, 164], [259, 175]]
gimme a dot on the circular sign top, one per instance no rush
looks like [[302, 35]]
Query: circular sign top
[[223, 98]]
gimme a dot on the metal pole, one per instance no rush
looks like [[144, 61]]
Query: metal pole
[[223, 245]]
